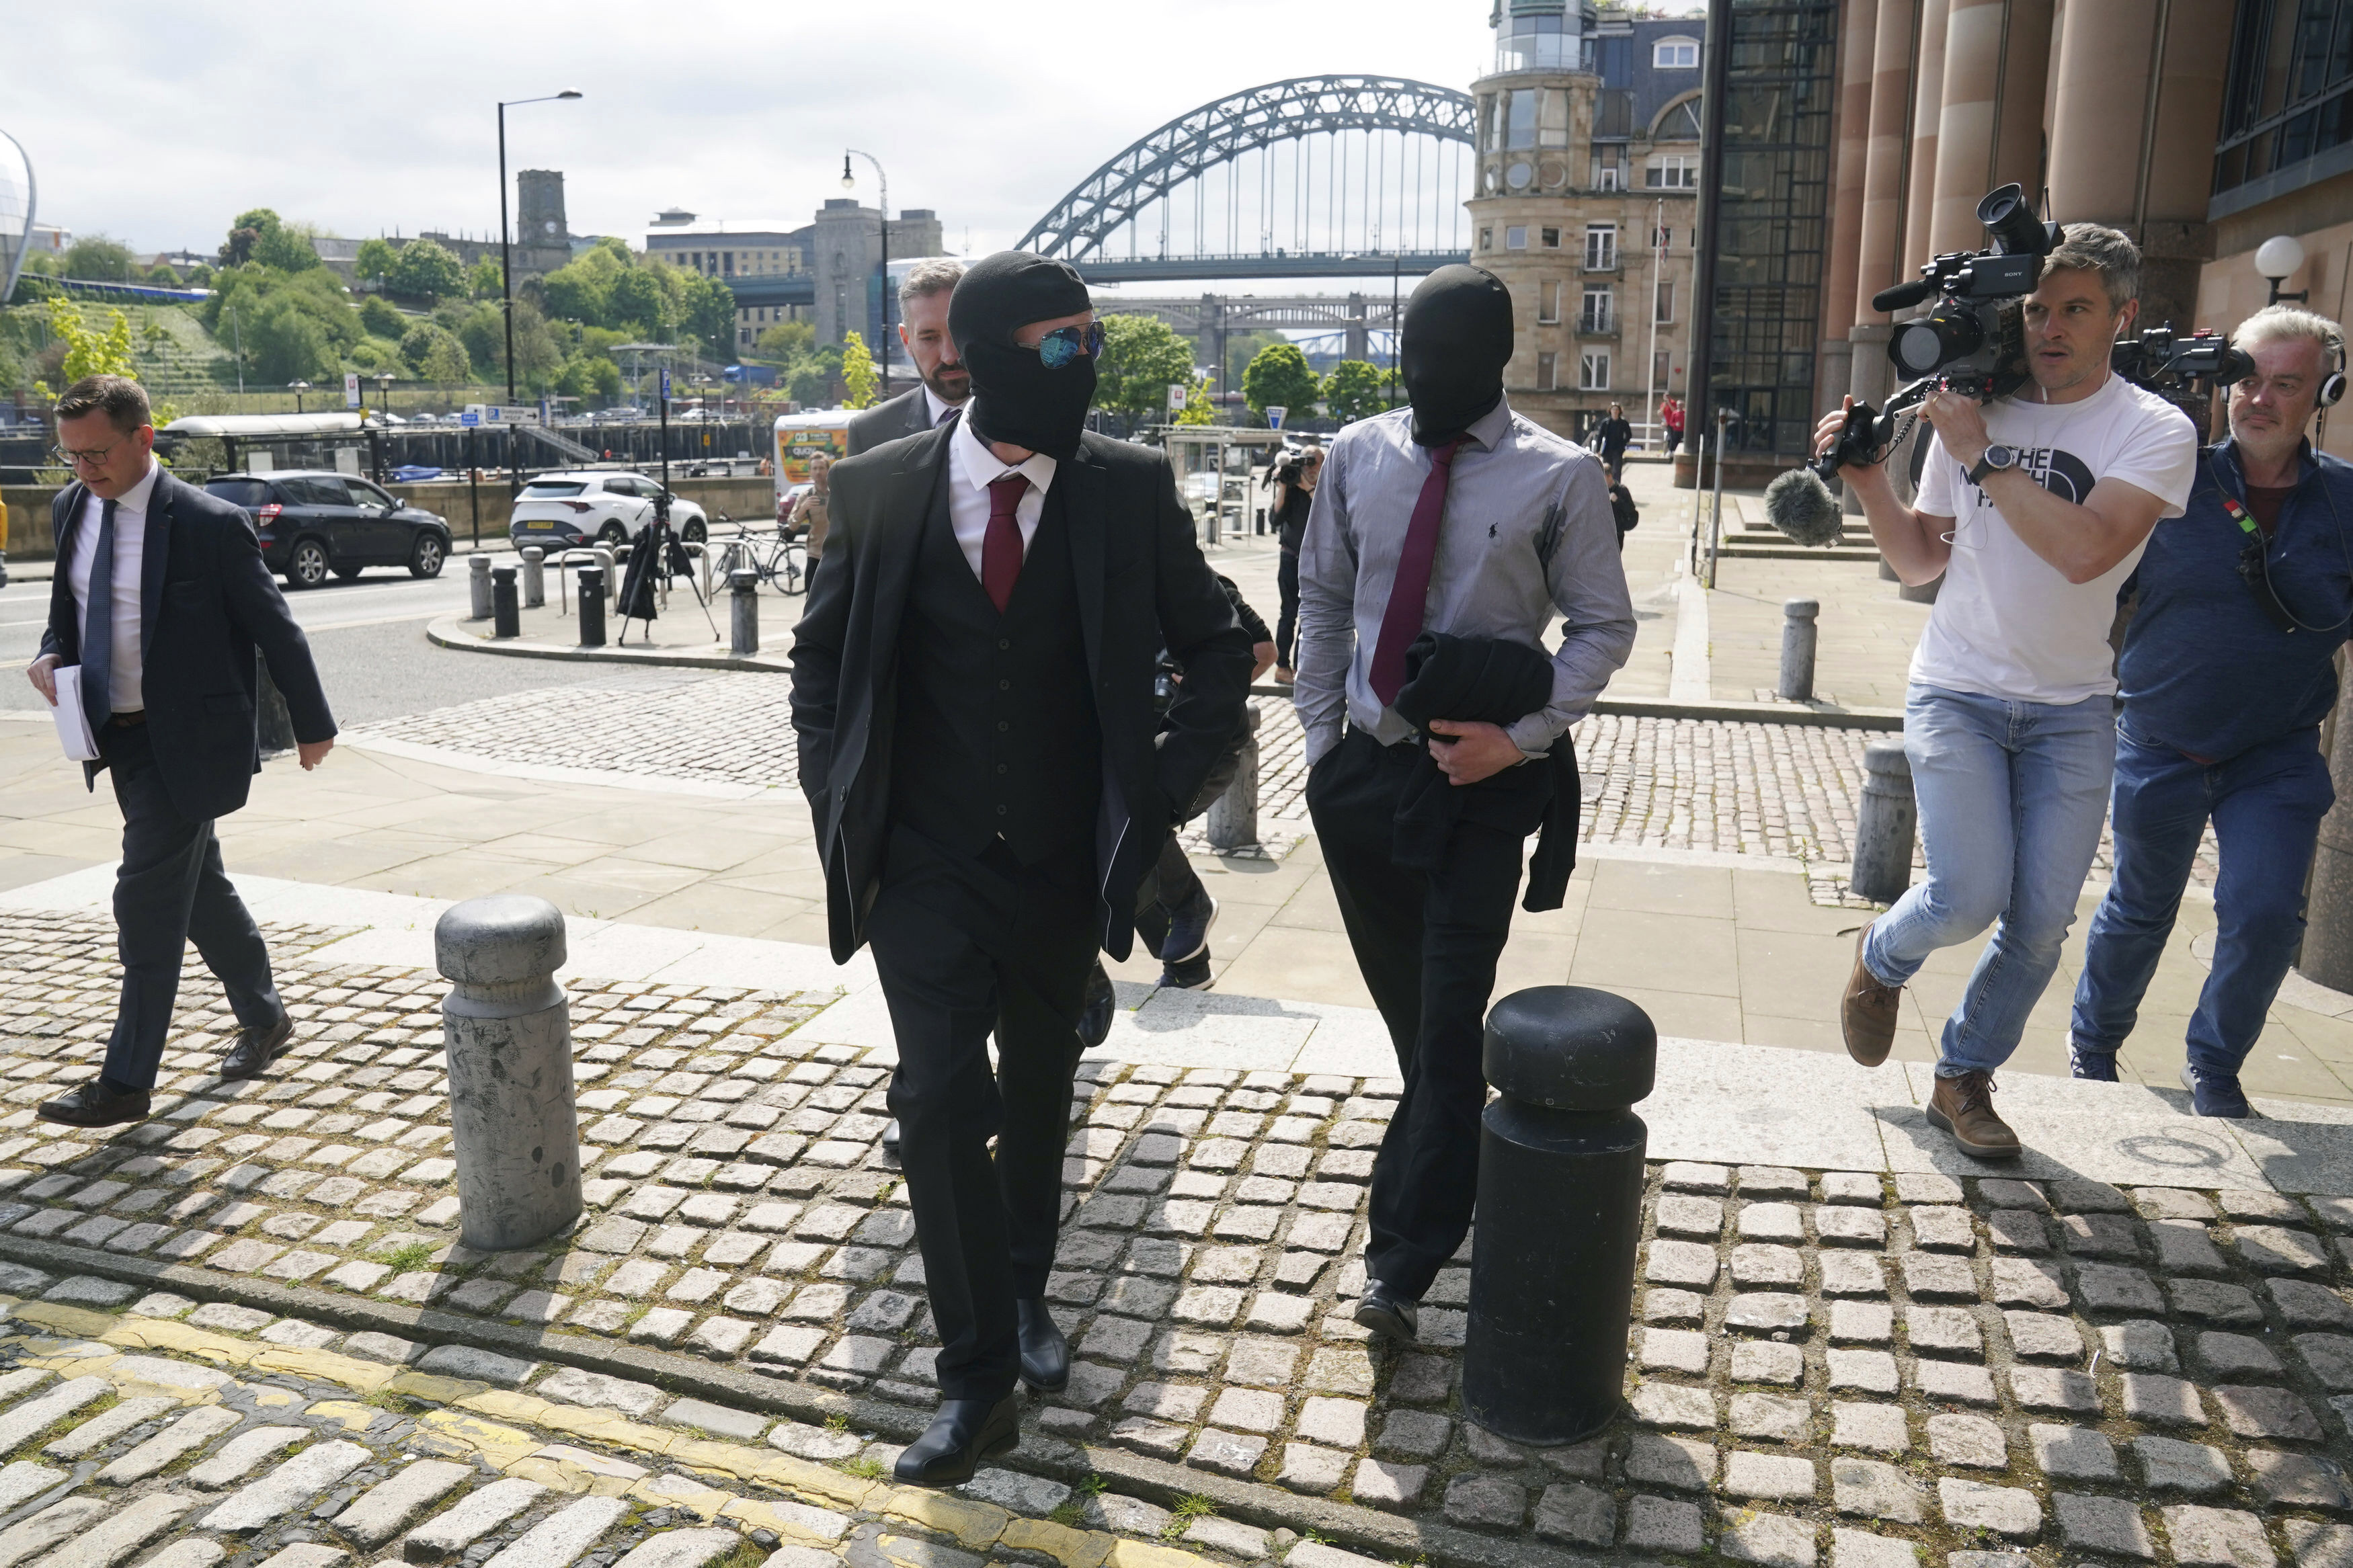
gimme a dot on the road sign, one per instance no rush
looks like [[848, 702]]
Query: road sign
[[504, 413], [351, 389], [665, 383], [1177, 393], [470, 418], [1274, 412]]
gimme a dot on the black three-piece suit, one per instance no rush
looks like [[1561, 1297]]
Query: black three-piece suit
[[206, 603], [988, 791]]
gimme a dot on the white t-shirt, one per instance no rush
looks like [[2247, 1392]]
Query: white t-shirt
[[2007, 623]]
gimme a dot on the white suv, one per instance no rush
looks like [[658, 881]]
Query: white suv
[[566, 510]]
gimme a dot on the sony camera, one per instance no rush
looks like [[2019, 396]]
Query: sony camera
[[1971, 339], [2160, 360]]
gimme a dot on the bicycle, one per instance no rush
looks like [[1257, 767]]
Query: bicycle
[[776, 561]]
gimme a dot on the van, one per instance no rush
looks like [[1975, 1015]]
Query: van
[[821, 433]]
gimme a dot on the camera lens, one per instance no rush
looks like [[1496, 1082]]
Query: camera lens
[[1944, 334]]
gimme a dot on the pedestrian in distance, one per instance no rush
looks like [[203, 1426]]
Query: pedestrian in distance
[[942, 383], [973, 696], [1671, 417], [2228, 667], [812, 515], [1453, 521], [1610, 439], [160, 603], [2033, 508], [1294, 492]]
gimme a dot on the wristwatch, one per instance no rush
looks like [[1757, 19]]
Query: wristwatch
[[1996, 457]]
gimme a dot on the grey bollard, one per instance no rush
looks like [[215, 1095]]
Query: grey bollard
[[1233, 816], [535, 577], [743, 612], [1883, 821], [1921, 593], [478, 580], [506, 612], [507, 1029], [1559, 1213], [592, 606], [608, 561], [1797, 637]]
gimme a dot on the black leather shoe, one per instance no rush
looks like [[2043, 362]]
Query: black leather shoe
[[1095, 1010], [95, 1105], [1387, 1313], [966, 1432], [1045, 1354], [256, 1048]]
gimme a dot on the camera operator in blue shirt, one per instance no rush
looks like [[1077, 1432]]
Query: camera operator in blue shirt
[[2227, 671]]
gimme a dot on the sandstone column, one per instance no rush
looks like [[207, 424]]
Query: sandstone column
[[1853, 141], [1965, 122], [1927, 110]]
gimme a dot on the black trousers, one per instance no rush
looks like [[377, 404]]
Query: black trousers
[[170, 890], [1427, 944], [967, 946], [1286, 623]]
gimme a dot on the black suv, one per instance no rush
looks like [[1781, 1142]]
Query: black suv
[[311, 523]]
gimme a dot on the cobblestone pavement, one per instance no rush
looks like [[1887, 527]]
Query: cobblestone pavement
[[1878, 1367]]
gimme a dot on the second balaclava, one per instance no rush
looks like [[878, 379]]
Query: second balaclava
[[1016, 399], [1457, 341]]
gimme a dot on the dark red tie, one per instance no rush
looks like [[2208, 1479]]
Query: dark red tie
[[1001, 547], [1402, 622]]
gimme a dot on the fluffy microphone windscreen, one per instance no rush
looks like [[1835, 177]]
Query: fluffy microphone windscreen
[[1801, 507]]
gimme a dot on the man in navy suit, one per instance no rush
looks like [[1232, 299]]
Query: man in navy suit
[[162, 600]]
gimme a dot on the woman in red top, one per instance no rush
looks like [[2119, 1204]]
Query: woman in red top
[[1670, 414]]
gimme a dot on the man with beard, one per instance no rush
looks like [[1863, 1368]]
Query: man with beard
[[972, 693], [1453, 516], [924, 327]]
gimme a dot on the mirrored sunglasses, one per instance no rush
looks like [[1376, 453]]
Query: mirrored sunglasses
[[1063, 345]]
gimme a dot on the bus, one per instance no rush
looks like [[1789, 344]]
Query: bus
[[820, 433]]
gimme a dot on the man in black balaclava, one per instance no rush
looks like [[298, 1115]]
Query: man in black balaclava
[[1455, 515], [972, 693]]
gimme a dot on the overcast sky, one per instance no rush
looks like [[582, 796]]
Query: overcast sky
[[156, 125]]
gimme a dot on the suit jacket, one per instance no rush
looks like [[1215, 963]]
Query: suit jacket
[[1142, 584], [909, 414], [206, 603]]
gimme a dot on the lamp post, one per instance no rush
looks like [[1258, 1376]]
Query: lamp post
[[2279, 259], [506, 243], [384, 391], [298, 388], [850, 183]]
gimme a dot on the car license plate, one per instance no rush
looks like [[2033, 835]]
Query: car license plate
[[539, 527]]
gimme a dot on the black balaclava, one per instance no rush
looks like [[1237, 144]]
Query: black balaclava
[[1015, 398], [1458, 338]]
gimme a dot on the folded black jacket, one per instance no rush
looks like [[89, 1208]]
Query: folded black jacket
[[1485, 681]]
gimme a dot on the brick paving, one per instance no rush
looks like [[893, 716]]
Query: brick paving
[[1871, 1366]]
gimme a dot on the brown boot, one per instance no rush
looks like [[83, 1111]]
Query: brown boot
[[1963, 1107], [1867, 1012]]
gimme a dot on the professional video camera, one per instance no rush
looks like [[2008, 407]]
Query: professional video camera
[[2162, 362]]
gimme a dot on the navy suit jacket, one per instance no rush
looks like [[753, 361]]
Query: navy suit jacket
[[206, 603], [909, 414]]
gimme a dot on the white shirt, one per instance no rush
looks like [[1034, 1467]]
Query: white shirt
[[2007, 623], [938, 408], [130, 546], [972, 466]]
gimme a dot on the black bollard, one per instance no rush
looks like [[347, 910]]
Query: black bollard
[[1561, 1212], [506, 608], [592, 606]]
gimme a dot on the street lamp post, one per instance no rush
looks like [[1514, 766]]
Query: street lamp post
[[298, 388], [849, 183], [506, 243]]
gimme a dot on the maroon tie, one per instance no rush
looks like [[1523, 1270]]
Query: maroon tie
[[1001, 547], [1402, 622]]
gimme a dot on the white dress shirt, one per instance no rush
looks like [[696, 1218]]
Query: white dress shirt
[[130, 546], [972, 467]]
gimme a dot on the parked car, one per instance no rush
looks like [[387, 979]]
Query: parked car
[[564, 511], [317, 522]]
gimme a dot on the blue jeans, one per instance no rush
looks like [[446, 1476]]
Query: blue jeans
[[2011, 798], [2266, 804]]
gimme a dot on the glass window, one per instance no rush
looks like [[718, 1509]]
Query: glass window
[[1674, 173], [1593, 370], [1515, 237], [1601, 246], [1675, 55], [1595, 316], [542, 490], [367, 494], [1666, 301], [1546, 373], [247, 493], [1486, 239], [1522, 131], [1551, 237], [1548, 303]]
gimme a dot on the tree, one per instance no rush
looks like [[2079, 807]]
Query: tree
[[486, 281], [98, 260], [286, 344], [1278, 374], [858, 371], [425, 270], [89, 353], [244, 233], [639, 302], [590, 376], [286, 248], [1142, 358], [163, 276], [381, 320], [435, 354], [374, 261], [1353, 391], [1197, 405], [707, 314], [784, 340], [199, 277]]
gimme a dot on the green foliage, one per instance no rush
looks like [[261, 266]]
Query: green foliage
[[404, 1260], [425, 270], [1353, 391], [1142, 358], [809, 378], [593, 377], [374, 261], [377, 315], [285, 249], [98, 260], [638, 303], [1197, 410], [161, 275], [785, 339], [433, 354], [858, 372], [487, 280], [199, 277], [1189, 1507], [707, 314], [284, 343], [866, 1470], [244, 296], [88, 352], [1278, 374]]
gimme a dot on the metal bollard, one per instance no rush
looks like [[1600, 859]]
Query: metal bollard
[[535, 577], [1561, 1212], [743, 616], [1233, 816], [508, 1031], [592, 606], [478, 580], [1797, 637], [506, 611], [607, 560], [1883, 825]]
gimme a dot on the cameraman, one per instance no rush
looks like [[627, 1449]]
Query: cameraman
[[2010, 724], [2222, 704]]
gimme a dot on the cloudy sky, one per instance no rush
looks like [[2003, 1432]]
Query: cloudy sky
[[362, 120]]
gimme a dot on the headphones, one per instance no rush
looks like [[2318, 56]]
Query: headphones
[[2332, 387]]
